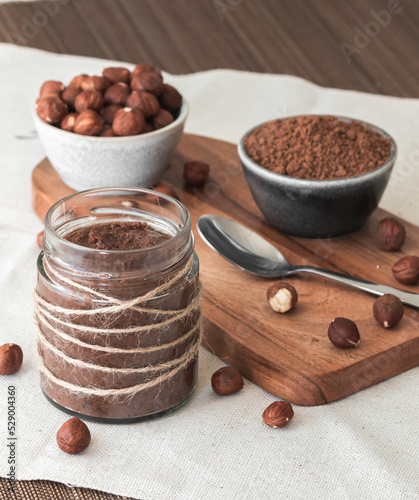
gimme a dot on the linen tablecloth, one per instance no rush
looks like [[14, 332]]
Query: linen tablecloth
[[365, 445]]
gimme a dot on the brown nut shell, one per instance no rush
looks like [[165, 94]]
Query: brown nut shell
[[116, 75], [145, 68], [108, 112], [107, 131], [278, 414], [68, 122], [390, 234], [343, 333], [170, 99], [388, 310], [148, 82], [161, 119], [282, 296], [88, 122], [196, 173], [406, 270], [98, 83], [51, 109], [128, 121], [11, 358], [226, 381], [73, 436], [77, 81], [117, 94], [69, 96], [51, 88], [88, 99], [144, 101]]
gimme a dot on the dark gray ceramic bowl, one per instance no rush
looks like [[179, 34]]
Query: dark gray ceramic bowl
[[314, 208]]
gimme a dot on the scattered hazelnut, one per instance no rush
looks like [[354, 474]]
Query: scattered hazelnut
[[343, 332], [116, 94], [107, 131], [128, 121], [227, 380], [170, 98], [39, 237], [77, 81], [282, 297], [51, 109], [67, 123], [161, 119], [108, 112], [196, 173], [88, 122], [51, 88], [98, 83], [168, 190], [406, 270], [115, 75], [88, 99], [388, 310], [145, 68], [11, 357], [148, 82], [278, 414], [390, 234], [144, 101], [69, 96], [73, 436]]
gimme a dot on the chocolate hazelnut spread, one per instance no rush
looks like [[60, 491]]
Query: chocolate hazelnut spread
[[118, 317]]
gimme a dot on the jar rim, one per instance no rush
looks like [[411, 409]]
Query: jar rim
[[184, 229]]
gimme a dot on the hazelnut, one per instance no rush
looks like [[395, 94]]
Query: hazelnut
[[148, 82], [69, 96], [406, 270], [116, 94], [148, 128], [161, 119], [282, 297], [98, 83], [170, 98], [343, 332], [107, 131], [88, 122], [39, 237], [278, 414], [11, 357], [115, 75], [88, 99], [168, 190], [67, 123], [226, 380], [145, 68], [51, 88], [390, 234], [51, 109], [73, 436], [196, 173], [388, 310], [77, 81], [108, 112], [144, 101], [128, 121]]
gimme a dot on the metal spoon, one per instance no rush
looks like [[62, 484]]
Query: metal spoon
[[249, 251]]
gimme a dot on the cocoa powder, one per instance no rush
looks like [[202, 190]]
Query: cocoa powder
[[317, 147]]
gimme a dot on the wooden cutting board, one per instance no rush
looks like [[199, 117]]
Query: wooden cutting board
[[289, 354]]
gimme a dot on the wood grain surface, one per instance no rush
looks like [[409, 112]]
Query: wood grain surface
[[299, 37], [289, 355]]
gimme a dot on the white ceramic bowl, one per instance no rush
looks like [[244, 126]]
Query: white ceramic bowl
[[85, 162]]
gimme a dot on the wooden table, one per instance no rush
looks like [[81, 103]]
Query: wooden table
[[348, 45]]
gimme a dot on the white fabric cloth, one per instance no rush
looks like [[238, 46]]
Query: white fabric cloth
[[365, 445]]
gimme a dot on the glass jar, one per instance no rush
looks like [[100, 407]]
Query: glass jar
[[118, 330]]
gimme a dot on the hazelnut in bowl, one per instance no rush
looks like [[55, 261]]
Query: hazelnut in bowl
[[118, 129], [317, 176]]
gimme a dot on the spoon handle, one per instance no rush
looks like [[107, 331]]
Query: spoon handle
[[408, 298]]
